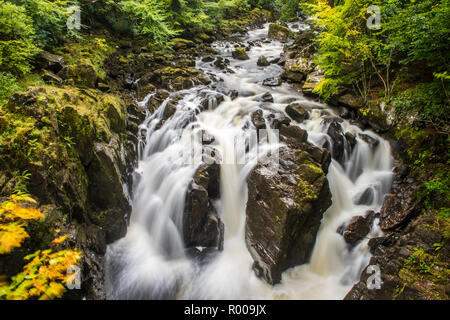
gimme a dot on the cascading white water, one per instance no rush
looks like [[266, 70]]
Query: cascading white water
[[150, 262]]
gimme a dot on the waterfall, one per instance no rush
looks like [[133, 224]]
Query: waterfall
[[150, 262]]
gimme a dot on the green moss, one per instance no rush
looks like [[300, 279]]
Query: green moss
[[422, 268], [90, 50], [278, 31]]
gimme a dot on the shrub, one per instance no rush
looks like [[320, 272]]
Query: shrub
[[149, 19], [49, 20], [8, 84], [16, 34]]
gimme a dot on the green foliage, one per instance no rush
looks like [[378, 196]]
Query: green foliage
[[352, 55], [346, 49], [289, 10], [49, 20], [149, 19], [8, 84], [273, 6], [16, 39], [427, 102], [419, 30]]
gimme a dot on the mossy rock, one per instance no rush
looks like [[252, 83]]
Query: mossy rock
[[240, 54], [51, 133], [279, 32], [179, 43], [284, 211]]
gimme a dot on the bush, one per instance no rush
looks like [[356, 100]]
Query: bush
[[8, 84], [49, 20], [16, 34], [427, 101], [150, 19]]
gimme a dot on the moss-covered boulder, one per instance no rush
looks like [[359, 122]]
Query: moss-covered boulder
[[279, 32], [83, 75], [178, 78], [71, 143], [285, 207], [311, 82], [179, 43], [262, 61], [240, 54], [295, 70]]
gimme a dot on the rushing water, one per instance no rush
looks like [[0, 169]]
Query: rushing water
[[150, 262]]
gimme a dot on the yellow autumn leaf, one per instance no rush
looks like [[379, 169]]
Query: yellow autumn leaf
[[59, 239], [27, 213], [23, 197], [11, 236]]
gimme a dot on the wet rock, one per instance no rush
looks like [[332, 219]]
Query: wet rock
[[336, 135], [357, 228], [262, 62], [48, 61], [293, 135], [284, 211], [240, 54], [211, 101], [275, 60], [295, 70], [221, 63], [208, 59], [372, 142], [277, 119], [50, 77], [258, 119], [399, 206], [266, 97], [272, 82], [233, 94], [207, 138], [202, 226], [311, 82], [350, 101], [351, 140], [159, 97], [344, 113], [365, 198], [297, 112], [105, 189], [279, 32]]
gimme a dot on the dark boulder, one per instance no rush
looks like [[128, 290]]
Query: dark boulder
[[297, 112], [49, 61], [365, 198], [372, 142], [266, 97], [233, 94], [357, 228], [284, 211], [262, 62], [336, 135], [399, 206], [272, 82], [202, 226], [277, 119], [258, 119]]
